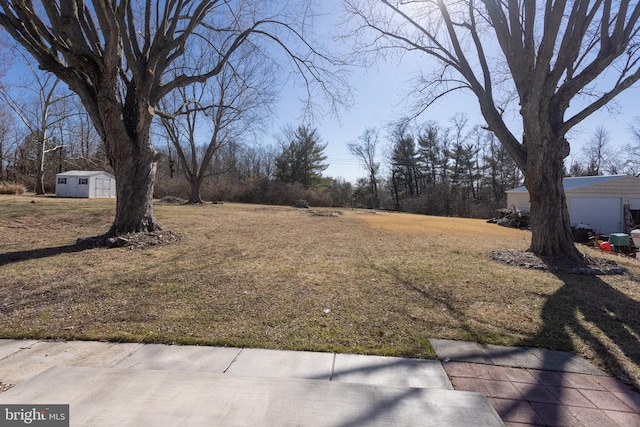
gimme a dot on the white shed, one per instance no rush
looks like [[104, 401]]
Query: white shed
[[606, 204], [85, 184]]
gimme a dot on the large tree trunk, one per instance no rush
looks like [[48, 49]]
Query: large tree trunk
[[135, 165], [127, 138], [40, 169], [550, 225], [40, 182], [135, 177], [195, 183], [374, 190]]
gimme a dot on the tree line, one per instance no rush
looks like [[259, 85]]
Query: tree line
[[450, 169]]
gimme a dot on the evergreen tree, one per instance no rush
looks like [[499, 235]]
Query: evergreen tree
[[302, 158], [404, 162]]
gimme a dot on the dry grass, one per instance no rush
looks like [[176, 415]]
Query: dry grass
[[281, 277], [15, 189]]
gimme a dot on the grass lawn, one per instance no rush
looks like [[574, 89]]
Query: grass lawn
[[279, 277]]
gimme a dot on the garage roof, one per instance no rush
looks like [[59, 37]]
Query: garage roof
[[574, 183]]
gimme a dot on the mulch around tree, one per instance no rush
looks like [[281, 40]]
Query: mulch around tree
[[590, 265], [132, 240]]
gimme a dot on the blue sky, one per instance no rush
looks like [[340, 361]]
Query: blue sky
[[379, 98]]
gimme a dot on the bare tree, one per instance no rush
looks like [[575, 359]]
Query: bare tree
[[116, 56], [40, 107], [6, 146], [632, 149], [600, 157], [520, 56], [365, 151], [502, 173], [228, 107], [257, 162], [83, 148]]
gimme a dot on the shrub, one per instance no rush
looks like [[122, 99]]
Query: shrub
[[171, 187], [8, 188]]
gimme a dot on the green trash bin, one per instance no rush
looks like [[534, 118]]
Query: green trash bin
[[619, 239]]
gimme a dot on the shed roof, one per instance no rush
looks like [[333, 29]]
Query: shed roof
[[574, 183], [84, 173]]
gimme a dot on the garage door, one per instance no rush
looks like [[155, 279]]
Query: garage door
[[603, 214]]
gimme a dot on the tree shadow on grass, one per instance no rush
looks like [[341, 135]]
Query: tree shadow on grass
[[138, 240], [599, 315], [605, 321], [19, 256]]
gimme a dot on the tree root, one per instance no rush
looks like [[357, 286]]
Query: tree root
[[133, 240]]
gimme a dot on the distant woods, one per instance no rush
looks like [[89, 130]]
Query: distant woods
[[434, 169], [449, 169]]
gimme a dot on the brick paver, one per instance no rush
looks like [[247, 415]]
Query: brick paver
[[515, 411], [544, 398]]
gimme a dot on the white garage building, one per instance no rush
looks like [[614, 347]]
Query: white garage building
[[85, 184], [607, 204]]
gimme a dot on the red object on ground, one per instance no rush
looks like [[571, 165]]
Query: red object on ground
[[605, 246]]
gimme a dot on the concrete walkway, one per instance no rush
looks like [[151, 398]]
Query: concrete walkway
[[136, 384]]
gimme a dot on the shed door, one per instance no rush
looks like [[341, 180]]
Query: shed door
[[103, 187], [603, 214], [72, 187]]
